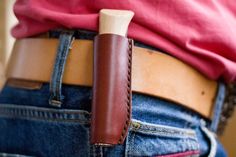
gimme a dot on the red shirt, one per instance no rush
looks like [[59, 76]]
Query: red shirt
[[202, 33]]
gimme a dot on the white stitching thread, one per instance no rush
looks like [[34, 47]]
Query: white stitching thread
[[130, 43]]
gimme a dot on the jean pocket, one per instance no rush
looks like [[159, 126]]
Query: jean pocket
[[39, 131], [147, 139]]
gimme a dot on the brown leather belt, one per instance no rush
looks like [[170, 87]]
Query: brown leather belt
[[153, 73]]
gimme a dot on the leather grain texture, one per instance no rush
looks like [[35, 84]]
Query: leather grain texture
[[111, 103], [153, 72]]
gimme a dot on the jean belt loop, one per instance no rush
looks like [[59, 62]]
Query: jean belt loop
[[210, 130], [219, 102], [65, 41]]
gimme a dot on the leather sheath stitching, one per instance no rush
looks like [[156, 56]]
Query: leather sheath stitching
[[128, 101]]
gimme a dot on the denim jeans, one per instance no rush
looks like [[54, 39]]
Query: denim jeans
[[54, 120]]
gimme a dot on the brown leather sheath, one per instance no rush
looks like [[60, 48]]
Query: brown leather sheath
[[111, 103]]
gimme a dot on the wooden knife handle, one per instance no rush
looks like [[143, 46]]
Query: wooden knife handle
[[114, 21]]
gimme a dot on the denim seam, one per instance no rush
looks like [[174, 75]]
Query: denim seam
[[47, 120], [211, 137], [162, 130], [166, 133], [131, 143], [127, 144], [39, 113]]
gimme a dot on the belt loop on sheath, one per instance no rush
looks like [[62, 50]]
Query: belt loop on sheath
[[63, 49]]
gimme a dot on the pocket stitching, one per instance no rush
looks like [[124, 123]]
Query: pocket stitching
[[137, 128], [47, 114], [162, 130]]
